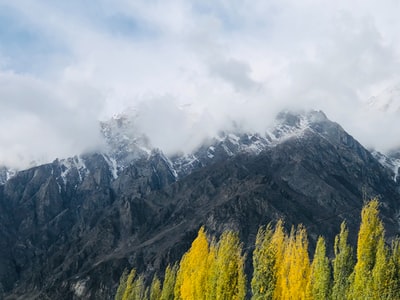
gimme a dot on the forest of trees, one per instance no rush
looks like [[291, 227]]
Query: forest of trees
[[213, 269]]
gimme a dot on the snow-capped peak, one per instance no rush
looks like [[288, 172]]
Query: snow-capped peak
[[124, 142], [6, 174]]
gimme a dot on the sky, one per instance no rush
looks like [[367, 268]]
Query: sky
[[189, 68]]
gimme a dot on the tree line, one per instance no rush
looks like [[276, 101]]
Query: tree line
[[282, 269]]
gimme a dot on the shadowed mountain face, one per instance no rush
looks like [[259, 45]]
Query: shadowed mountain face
[[68, 229]]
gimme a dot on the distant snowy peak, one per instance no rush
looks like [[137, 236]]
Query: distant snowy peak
[[6, 174], [390, 162], [287, 126], [126, 144], [124, 141], [72, 168], [387, 101]]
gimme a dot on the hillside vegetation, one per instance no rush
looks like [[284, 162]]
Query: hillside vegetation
[[282, 268]]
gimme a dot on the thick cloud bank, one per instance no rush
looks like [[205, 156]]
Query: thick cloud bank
[[191, 68]]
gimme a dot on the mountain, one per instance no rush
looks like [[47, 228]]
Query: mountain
[[69, 228], [6, 174]]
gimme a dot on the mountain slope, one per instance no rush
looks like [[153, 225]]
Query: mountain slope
[[71, 227]]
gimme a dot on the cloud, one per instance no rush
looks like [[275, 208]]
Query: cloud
[[41, 122], [194, 66]]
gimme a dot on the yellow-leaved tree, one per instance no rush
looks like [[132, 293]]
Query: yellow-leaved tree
[[369, 236], [191, 281], [279, 243], [296, 265]]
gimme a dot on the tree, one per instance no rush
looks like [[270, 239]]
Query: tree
[[155, 289], [296, 265], [320, 277], [231, 280], [139, 289], [129, 285], [167, 292], [264, 264], [393, 269], [122, 285], [192, 276], [370, 233], [279, 243], [381, 272], [343, 264]]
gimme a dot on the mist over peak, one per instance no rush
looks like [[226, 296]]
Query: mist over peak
[[192, 72]]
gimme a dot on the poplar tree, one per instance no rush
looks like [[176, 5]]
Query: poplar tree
[[264, 264], [192, 275], [320, 277], [122, 285], [370, 233], [213, 272], [138, 289], [129, 285], [343, 264], [279, 243], [296, 265], [230, 283], [394, 270], [155, 289], [167, 292]]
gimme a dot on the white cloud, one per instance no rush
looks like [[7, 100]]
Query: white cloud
[[224, 60]]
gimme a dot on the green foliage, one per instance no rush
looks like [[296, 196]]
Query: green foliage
[[122, 286], [320, 276], [380, 272], [231, 280], [155, 289], [343, 265], [167, 292], [264, 259], [129, 285], [393, 269]]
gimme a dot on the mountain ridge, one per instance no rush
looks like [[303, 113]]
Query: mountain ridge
[[71, 221]]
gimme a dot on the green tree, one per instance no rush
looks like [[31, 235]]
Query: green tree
[[138, 289], [393, 269], [167, 292], [343, 264], [155, 289], [129, 285], [320, 277], [122, 285], [230, 283], [264, 278]]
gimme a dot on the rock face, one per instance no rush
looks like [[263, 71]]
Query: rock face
[[68, 229]]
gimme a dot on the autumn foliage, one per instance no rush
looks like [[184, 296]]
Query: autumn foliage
[[282, 268]]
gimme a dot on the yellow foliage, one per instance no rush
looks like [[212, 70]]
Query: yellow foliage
[[193, 270], [370, 233]]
